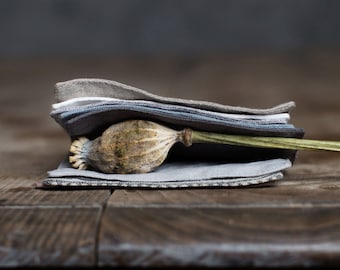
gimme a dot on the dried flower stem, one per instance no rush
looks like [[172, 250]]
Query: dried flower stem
[[265, 142]]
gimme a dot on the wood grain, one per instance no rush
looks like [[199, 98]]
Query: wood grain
[[305, 184], [48, 236], [294, 222], [195, 236], [21, 192], [38, 227], [318, 192]]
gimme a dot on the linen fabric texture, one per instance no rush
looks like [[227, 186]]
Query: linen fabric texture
[[86, 107]]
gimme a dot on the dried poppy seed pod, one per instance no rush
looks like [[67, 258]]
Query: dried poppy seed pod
[[134, 146], [138, 146]]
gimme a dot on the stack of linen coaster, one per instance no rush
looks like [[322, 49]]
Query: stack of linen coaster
[[86, 107]]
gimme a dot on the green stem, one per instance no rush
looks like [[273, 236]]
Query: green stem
[[265, 142]]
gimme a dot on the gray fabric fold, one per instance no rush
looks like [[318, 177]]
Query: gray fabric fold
[[175, 175], [182, 171], [77, 182], [75, 116], [76, 121], [107, 88]]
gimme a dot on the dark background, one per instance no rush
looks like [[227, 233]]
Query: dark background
[[238, 52], [84, 27], [244, 53]]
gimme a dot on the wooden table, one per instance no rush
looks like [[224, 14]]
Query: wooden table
[[295, 222]]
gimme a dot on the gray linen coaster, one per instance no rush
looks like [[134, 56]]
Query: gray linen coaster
[[175, 175], [97, 183]]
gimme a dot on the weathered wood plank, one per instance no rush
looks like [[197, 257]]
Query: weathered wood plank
[[289, 194], [299, 188], [196, 236], [295, 222], [20, 191], [48, 236]]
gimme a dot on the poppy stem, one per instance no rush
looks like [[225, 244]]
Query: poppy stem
[[265, 142]]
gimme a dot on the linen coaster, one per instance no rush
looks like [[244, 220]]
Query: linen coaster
[[86, 107]]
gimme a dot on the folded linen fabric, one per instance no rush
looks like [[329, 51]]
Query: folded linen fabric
[[86, 107]]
